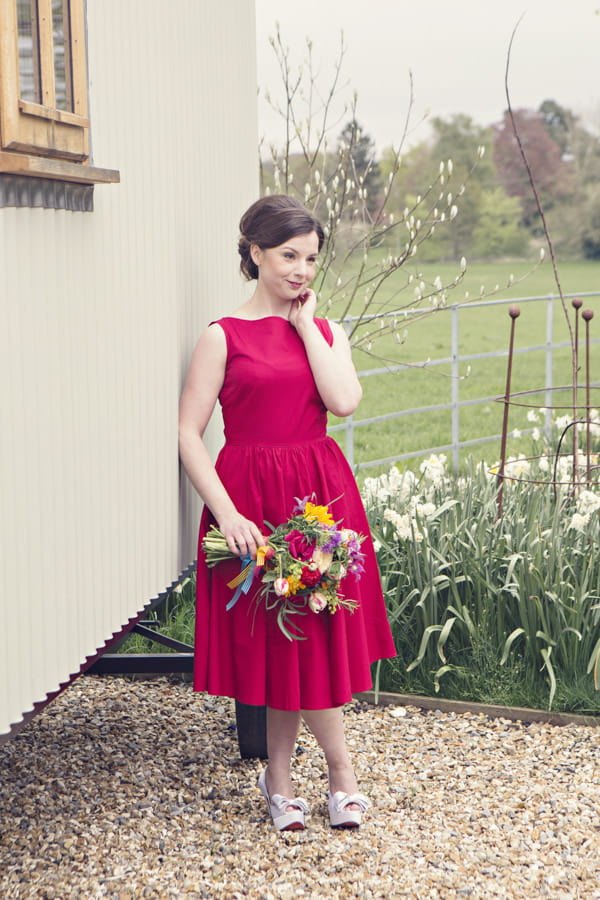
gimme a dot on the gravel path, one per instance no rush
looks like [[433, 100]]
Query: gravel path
[[128, 790]]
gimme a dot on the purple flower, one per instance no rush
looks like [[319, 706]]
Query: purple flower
[[334, 540], [300, 504]]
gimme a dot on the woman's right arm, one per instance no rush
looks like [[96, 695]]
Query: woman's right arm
[[201, 390]]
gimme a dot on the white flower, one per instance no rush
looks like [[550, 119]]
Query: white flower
[[423, 510], [433, 468], [281, 587], [532, 416], [588, 502], [517, 468], [535, 434], [317, 602], [322, 560], [579, 522], [563, 422], [516, 433], [405, 528]]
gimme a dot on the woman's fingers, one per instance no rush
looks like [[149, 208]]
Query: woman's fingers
[[243, 537]]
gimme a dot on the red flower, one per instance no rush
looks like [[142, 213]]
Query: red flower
[[299, 545], [310, 577]]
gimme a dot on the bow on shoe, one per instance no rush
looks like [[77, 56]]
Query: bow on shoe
[[277, 805], [339, 814]]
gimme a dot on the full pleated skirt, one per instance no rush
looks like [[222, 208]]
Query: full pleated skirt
[[241, 652]]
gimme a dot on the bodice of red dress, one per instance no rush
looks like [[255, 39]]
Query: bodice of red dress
[[269, 395]]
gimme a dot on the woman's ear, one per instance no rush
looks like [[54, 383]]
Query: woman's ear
[[255, 254]]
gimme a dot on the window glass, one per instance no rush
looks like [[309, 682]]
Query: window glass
[[62, 79], [29, 54]]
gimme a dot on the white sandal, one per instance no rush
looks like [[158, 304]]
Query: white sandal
[[339, 814], [277, 805]]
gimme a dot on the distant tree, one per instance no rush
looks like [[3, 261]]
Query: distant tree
[[552, 173], [366, 168], [498, 232], [559, 123], [458, 138], [590, 237], [417, 167]]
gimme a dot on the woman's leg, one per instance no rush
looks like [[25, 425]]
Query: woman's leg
[[282, 731], [327, 725]]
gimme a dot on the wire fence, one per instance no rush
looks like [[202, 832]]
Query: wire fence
[[454, 446]]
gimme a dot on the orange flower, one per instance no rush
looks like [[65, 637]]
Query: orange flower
[[320, 513], [294, 584]]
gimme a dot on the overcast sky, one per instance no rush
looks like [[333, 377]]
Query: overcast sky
[[456, 50]]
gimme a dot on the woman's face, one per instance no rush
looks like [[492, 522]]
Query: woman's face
[[287, 270]]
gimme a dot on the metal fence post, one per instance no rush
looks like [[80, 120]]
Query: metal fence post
[[455, 388], [549, 364]]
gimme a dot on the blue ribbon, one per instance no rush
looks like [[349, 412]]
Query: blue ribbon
[[244, 587]]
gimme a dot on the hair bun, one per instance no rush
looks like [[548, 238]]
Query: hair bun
[[247, 265], [270, 222]]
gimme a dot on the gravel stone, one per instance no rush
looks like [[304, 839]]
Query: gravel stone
[[125, 789]]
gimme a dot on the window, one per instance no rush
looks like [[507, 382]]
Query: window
[[44, 125]]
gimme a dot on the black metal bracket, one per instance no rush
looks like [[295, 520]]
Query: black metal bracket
[[250, 720], [146, 629]]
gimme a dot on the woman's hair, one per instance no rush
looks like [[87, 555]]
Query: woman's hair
[[270, 222]]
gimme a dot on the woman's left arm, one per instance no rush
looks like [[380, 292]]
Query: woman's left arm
[[332, 367]]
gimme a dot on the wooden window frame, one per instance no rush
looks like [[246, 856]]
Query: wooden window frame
[[37, 139]]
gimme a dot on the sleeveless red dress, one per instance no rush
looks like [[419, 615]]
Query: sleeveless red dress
[[276, 449]]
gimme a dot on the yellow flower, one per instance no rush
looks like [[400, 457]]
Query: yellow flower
[[294, 584], [320, 513]]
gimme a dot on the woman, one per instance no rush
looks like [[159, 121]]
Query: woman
[[277, 370]]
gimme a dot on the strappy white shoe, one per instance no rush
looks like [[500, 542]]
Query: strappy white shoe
[[277, 805], [339, 814]]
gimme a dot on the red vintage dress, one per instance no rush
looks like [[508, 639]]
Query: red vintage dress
[[276, 449]]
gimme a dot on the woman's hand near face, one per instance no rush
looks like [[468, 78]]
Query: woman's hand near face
[[303, 308]]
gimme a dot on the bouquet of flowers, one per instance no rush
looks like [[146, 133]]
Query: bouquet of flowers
[[300, 566]]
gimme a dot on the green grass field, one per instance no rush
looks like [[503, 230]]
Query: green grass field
[[482, 330]]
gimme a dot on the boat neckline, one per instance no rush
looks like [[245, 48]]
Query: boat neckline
[[261, 319]]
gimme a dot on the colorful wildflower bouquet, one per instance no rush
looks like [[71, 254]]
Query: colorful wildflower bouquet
[[300, 566]]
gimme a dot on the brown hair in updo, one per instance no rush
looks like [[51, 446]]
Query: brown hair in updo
[[270, 222]]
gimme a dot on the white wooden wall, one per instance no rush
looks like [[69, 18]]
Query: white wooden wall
[[100, 312]]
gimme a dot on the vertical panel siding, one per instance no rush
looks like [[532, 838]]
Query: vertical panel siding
[[100, 314]]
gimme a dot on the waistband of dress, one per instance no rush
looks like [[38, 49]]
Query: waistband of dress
[[287, 445]]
